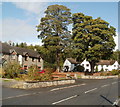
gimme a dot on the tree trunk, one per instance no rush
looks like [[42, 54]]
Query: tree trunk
[[58, 61], [92, 65]]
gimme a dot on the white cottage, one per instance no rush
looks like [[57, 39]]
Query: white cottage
[[107, 65], [86, 65], [69, 64]]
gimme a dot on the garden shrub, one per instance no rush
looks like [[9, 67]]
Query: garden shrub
[[50, 70], [23, 77], [103, 74], [96, 69], [115, 72], [1, 72], [11, 69], [50, 65], [34, 75], [78, 68], [102, 69]]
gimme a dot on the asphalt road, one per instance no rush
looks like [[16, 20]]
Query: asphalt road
[[84, 92]]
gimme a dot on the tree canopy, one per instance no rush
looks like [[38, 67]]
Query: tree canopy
[[93, 38], [54, 31]]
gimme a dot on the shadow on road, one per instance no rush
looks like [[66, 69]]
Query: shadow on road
[[113, 104]]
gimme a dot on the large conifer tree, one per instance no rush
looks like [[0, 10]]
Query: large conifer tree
[[93, 38], [53, 29]]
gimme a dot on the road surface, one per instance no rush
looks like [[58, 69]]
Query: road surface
[[84, 92]]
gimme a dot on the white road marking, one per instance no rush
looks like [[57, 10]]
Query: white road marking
[[105, 85], [19, 96], [90, 90], [55, 89], [114, 82], [64, 99]]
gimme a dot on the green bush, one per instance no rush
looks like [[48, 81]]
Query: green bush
[[32, 71], [78, 68], [34, 75], [102, 69], [96, 69], [50, 70], [50, 65], [115, 72], [104, 74], [11, 69], [1, 72], [46, 76]]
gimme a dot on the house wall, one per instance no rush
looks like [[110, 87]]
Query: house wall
[[6, 57], [29, 62], [21, 60], [67, 63], [72, 66], [41, 63], [108, 67], [115, 65], [105, 67], [84, 64]]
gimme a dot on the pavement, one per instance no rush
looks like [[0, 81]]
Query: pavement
[[83, 92]]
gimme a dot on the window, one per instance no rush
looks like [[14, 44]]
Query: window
[[106, 69], [106, 65], [82, 64], [38, 59], [25, 67], [26, 58], [87, 65], [87, 70], [33, 59], [39, 67], [114, 65], [12, 56]]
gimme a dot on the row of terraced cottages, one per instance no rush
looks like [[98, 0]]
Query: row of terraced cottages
[[25, 57], [102, 65]]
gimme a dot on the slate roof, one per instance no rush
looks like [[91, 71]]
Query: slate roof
[[20, 51], [5, 48], [72, 61], [106, 62]]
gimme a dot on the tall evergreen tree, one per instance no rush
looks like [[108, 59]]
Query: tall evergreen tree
[[53, 29], [93, 38]]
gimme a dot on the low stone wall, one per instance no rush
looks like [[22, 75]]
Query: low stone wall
[[98, 77], [29, 85]]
